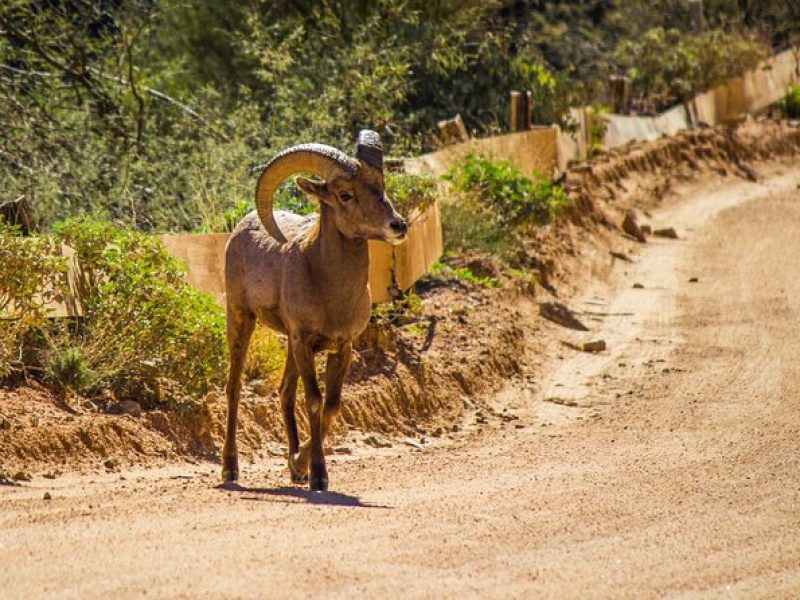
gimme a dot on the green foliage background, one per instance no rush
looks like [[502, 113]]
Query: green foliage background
[[153, 114]]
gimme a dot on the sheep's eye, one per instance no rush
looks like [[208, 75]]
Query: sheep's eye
[[345, 197]]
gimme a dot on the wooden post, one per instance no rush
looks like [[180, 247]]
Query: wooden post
[[520, 117], [696, 12], [618, 90], [453, 131], [18, 212]]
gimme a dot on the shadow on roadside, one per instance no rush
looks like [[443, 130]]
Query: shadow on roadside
[[295, 495]]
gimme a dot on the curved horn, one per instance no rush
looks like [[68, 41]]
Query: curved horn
[[317, 159]]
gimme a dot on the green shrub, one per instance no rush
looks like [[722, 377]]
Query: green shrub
[[441, 270], [68, 368], [598, 128], [468, 224], [790, 105], [139, 311], [670, 62], [265, 356], [494, 202], [235, 214], [499, 184], [410, 193], [32, 274]]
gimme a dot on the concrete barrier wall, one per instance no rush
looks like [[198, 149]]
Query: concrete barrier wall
[[549, 150], [621, 129], [403, 265], [529, 151], [752, 92]]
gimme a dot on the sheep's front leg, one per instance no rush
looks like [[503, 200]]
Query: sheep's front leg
[[240, 328], [304, 360], [335, 372]]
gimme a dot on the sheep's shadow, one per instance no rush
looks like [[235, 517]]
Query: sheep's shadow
[[294, 495]]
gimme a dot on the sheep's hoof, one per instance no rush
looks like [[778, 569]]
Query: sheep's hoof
[[230, 475], [230, 470], [298, 476], [318, 483]]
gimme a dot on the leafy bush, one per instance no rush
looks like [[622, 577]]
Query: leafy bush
[[32, 274], [679, 65], [68, 368], [790, 105], [410, 193], [468, 224], [439, 269], [501, 185], [265, 356], [139, 311], [494, 202], [598, 128]]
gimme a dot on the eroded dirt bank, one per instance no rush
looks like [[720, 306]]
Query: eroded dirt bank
[[667, 465]]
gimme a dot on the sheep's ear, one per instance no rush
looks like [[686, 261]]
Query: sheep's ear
[[313, 187]]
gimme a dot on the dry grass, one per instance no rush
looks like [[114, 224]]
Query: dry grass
[[266, 356]]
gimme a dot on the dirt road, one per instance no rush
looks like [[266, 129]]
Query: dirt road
[[668, 465]]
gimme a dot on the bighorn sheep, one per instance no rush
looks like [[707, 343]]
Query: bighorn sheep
[[307, 277]]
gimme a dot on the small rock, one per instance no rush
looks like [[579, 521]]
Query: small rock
[[126, 407], [484, 266], [455, 429], [47, 496], [377, 441], [646, 229], [438, 432], [594, 346], [261, 387], [211, 397], [631, 227], [413, 443], [693, 280], [21, 476], [342, 450], [620, 255], [561, 401], [667, 232], [111, 463], [558, 313], [638, 286]]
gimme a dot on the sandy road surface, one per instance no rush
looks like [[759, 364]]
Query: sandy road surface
[[668, 466]]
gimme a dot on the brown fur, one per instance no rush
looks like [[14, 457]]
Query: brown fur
[[315, 290]]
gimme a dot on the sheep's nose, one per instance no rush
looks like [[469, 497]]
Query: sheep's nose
[[399, 226]]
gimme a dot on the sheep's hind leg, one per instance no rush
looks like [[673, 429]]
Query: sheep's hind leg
[[240, 328]]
